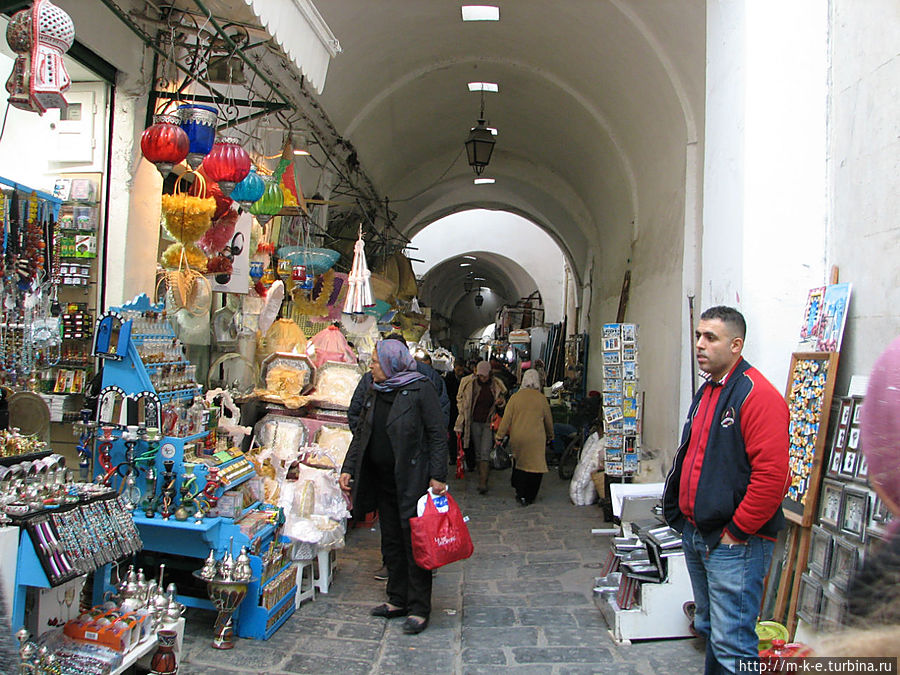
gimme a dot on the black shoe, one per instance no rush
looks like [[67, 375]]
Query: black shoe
[[382, 574], [414, 625], [522, 501], [385, 610]]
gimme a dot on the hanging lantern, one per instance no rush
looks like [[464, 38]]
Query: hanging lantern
[[270, 203], [248, 190], [199, 123], [164, 143], [227, 164]]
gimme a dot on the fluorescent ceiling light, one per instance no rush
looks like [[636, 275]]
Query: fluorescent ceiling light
[[480, 13], [480, 279], [302, 153], [470, 257], [483, 181], [465, 264], [484, 86]]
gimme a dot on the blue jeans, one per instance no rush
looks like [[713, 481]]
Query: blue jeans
[[728, 586]]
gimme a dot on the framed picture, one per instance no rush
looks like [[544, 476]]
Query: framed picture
[[836, 458], [857, 410], [830, 503], [810, 599], [833, 610], [880, 518], [846, 410], [820, 546], [854, 512], [848, 463], [862, 469], [853, 438], [843, 563]]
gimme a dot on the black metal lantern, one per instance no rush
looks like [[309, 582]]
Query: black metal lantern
[[479, 299], [480, 143], [479, 147]]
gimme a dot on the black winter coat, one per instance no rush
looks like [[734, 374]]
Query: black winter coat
[[418, 436]]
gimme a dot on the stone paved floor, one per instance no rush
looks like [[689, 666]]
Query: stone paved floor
[[521, 604]]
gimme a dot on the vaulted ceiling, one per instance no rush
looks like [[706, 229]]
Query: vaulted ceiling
[[592, 93]]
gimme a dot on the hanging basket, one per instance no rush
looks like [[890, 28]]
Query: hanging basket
[[188, 289], [188, 217]]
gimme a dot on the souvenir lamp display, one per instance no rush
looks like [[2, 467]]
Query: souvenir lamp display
[[39, 35], [164, 143], [227, 581]]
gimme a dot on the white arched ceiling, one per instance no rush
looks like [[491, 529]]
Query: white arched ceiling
[[493, 244], [599, 113], [598, 96]]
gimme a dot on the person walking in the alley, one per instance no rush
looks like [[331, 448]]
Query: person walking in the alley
[[529, 424], [725, 489], [398, 451], [452, 381], [479, 397]]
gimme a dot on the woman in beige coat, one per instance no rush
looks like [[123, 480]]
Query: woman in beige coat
[[529, 424]]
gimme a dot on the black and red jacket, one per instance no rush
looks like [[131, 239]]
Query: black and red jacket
[[731, 469]]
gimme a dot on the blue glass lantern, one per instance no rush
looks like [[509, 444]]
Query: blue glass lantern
[[199, 123], [248, 190]]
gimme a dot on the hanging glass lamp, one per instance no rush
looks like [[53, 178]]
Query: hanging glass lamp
[[270, 203], [227, 164], [248, 190], [199, 123], [164, 143]]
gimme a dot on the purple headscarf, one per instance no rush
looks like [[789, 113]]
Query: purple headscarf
[[398, 365], [880, 427]]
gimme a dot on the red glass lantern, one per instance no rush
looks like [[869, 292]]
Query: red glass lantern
[[227, 164], [164, 143]]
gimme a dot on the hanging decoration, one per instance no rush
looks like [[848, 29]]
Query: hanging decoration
[[249, 190], [40, 36], [359, 292], [164, 143], [187, 218], [199, 123], [269, 205], [227, 164]]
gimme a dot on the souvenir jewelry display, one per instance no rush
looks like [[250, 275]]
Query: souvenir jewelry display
[[806, 401]]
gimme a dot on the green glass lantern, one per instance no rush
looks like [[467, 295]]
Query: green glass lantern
[[270, 203]]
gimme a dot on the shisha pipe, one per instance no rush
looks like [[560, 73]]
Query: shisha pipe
[[85, 438], [103, 456]]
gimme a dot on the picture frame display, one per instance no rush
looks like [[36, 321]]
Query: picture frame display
[[820, 549], [843, 564], [833, 610], [808, 395], [880, 518], [854, 512], [810, 600], [830, 503]]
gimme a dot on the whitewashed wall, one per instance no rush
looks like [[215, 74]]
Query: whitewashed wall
[[864, 175]]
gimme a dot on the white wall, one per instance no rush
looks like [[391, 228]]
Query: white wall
[[864, 175], [764, 204], [499, 232]]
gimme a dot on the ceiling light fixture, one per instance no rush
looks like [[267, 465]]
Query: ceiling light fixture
[[480, 13], [484, 181], [469, 257], [465, 264], [480, 279], [492, 87], [480, 144], [302, 153]]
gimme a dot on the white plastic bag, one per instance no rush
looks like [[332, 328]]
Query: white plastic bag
[[581, 489]]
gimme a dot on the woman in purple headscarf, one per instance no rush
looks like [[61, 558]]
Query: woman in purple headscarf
[[398, 451]]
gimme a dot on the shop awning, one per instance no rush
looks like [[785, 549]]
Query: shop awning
[[302, 33]]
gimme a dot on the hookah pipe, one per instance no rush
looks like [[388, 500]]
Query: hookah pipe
[[205, 499], [83, 447], [104, 458], [168, 489]]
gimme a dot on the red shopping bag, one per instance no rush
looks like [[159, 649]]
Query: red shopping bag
[[439, 539]]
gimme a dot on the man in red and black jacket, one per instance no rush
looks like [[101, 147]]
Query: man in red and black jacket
[[725, 489]]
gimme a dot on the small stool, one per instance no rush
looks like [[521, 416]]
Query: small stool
[[306, 581], [325, 570]]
